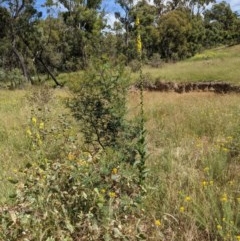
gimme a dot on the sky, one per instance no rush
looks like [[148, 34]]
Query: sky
[[110, 7]]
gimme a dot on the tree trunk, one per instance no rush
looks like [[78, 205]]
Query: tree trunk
[[48, 71], [22, 63]]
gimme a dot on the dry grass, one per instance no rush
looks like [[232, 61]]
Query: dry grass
[[187, 134], [191, 166]]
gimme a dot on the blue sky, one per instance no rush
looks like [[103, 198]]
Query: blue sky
[[110, 6]]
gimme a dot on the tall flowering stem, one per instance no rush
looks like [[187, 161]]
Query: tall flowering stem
[[142, 137]]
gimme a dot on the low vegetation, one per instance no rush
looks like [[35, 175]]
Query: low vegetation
[[97, 158], [191, 191]]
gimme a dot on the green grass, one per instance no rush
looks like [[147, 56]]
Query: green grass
[[221, 64]]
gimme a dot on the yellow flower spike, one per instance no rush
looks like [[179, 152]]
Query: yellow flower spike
[[138, 40], [139, 44], [238, 237], [34, 120], [137, 21], [182, 209], [114, 171], [158, 223]]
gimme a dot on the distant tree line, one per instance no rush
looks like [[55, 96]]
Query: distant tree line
[[171, 30]]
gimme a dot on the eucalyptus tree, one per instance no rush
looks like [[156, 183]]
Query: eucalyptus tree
[[222, 24], [180, 33], [83, 29], [19, 16], [126, 19]]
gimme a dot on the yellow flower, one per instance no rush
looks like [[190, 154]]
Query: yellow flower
[[206, 169], [224, 198], [114, 171], [41, 125], [204, 183], [158, 223], [112, 194], [34, 120], [29, 132], [187, 199], [219, 227], [225, 149], [238, 237], [70, 156], [210, 183], [38, 136], [181, 209], [103, 190]]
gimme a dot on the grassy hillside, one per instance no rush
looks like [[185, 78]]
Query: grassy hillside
[[220, 64]]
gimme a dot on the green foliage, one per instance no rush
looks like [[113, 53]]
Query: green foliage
[[71, 194], [100, 106], [178, 39], [11, 79], [222, 25]]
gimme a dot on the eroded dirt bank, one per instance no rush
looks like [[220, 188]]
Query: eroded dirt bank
[[218, 87]]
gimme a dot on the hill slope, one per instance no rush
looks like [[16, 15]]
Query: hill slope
[[218, 65]]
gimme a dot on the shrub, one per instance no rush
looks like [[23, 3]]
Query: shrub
[[67, 192]]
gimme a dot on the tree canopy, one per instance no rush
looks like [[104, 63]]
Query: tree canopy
[[69, 40]]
